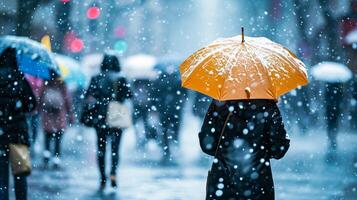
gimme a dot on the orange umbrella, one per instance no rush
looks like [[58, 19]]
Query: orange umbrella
[[243, 68]]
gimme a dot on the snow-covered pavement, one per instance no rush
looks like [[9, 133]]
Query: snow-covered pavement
[[302, 174]]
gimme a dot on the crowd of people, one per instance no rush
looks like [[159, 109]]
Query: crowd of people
[[30, 105]]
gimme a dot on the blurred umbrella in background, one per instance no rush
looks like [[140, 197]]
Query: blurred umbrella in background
[[71, 71], [331, 72], [91, 64], [169, 64], [140, 66], [33, 58], [243, 68], [351, 38]]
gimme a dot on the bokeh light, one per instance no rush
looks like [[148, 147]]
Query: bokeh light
[[120, 31], [93, 12], [121, 46], [76, 45]]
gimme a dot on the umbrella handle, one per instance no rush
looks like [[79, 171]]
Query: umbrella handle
[[247, 92], [243, 35]]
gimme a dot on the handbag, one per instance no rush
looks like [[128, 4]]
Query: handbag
[[210, 175], [118, 114], [20, 160]]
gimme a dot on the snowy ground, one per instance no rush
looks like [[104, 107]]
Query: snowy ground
[[302, 174]]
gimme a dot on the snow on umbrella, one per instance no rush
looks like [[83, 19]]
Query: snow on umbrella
[[243, 68], [91, 64], [70, 71], [33, 58], [331, 72], [140, 66]]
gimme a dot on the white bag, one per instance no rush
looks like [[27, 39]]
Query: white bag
[[118, 115]]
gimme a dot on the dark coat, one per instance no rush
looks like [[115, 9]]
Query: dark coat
[[58, 121], [16, 99], [170, 97], [106, 87], [254, 133], [142, 89]]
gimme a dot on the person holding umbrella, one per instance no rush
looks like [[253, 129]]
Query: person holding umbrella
[[334, 75], [243, 128], [16, 100]]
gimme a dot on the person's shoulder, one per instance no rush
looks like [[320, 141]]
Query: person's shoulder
[[96, 78], [120, 77]]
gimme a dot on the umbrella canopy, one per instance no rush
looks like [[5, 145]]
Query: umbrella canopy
[[168, 64], [331, 72], [140, 66], [351, 37], [243, 68], [33, 58], [70, 71], [91, 64]]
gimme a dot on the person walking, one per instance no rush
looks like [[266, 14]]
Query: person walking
[[142, 105], [242, 135], [56, 112], [34, 116], [243, 128], [170, 98], [333, 99], [108, 86], [16, 99]]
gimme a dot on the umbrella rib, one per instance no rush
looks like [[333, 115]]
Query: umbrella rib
[[189, 72], [255, 66], [293, 62], [289, 63], [266, 70], [278, 55], [231, 67], [245, 67]]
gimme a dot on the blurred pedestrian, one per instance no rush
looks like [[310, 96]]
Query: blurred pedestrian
[[56, 113], [242, 135], [108, 86], [142, 103], [17, 99], [348, 28], [333, 98], [34, 116], [170, 99]]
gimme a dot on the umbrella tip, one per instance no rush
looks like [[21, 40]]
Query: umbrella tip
[[243, 34], [247, 92]]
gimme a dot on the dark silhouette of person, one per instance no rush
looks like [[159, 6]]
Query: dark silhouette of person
[[242, 135], [102, 91], [16, 100]]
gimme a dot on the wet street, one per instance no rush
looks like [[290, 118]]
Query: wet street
[[302, 174], [258, 72]]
